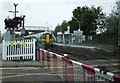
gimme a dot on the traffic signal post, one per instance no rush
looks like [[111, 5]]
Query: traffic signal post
[[12, 24]]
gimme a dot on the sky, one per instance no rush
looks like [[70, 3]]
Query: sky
[[48, 12]]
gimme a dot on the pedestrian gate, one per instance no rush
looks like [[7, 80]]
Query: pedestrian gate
[[19, 50]]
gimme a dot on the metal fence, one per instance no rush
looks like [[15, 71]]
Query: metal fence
[[74, 71], [19, 50]]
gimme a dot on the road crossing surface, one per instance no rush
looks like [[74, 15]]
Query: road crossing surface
[[0, 51], [27, 72]]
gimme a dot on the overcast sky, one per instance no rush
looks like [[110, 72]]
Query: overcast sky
[[39, 12]]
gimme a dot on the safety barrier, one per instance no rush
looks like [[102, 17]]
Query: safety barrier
[[74, 71], [19, 50]]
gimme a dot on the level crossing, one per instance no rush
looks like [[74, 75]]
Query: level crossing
[[61, 66]]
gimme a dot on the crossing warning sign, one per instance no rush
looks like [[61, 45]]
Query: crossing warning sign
[[24, 44], [11, 43]]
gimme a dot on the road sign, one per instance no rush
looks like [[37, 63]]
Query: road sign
[[12, 43], [24, 44]]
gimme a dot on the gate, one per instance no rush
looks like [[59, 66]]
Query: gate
[[72, 70], [19, 50]]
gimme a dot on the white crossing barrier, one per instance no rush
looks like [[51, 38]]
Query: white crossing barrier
[[74, 71]]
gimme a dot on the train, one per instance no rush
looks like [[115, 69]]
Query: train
[[44, 40]]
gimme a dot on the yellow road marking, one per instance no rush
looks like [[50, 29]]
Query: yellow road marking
[[26, 68], [29, 74], [45, 67]]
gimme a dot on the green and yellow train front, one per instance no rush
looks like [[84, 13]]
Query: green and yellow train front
[[47, 40]]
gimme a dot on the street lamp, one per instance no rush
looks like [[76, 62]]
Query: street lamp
[[79, 25], [79, 33], [47, 28], [118, 29]]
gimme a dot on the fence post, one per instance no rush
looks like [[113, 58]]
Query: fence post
[[4, 56], [33, 49]]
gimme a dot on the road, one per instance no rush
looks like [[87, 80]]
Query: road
[[27, 72], [0, 51], [0, 60]]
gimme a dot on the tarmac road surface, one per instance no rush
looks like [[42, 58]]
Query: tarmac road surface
[[0, 51], [28, 72]]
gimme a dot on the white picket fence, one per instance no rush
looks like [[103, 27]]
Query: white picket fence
[[19, 50]]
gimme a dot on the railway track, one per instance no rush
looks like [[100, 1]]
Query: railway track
[[75, 56], [111, 65]]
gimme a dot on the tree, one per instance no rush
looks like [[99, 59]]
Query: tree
[[73, 25], [112, 22], [112, 19], [58, 28], [62, 27], [89, 19]]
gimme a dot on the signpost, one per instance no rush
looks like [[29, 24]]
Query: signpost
[[11, 24]]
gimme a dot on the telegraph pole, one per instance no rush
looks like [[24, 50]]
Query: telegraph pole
[[118, 29], [119, 25]]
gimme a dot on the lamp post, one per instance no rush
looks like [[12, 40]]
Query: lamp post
[[79, 33], [23, 28], [118, 29], [47, 28], [119, 32], [79, 25], [119, 26]]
